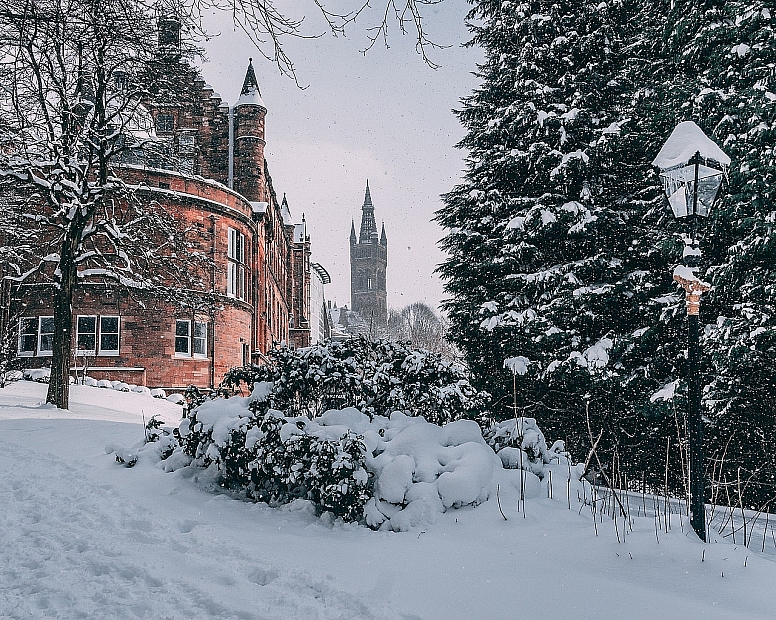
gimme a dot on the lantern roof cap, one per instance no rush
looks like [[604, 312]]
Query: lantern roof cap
[[685, 141]]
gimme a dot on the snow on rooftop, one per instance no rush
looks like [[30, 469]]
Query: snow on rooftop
[[252, 97], [685, 141]]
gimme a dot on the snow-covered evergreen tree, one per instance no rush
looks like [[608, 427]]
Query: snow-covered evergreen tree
[[545, 258], [560, 241]]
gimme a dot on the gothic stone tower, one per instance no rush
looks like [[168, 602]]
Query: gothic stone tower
[[368, 262]]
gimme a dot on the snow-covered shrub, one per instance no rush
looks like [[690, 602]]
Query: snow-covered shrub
[[391, 472], [12, 375], [520, 444], [375, 376], [158, 393], [165, 438], [275, 459]]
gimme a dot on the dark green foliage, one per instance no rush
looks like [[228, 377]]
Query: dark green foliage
[[377, 377], [560, 240], [256, 460]]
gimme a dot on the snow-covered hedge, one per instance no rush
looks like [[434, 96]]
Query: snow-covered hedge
[[394, 471], [389, 472], [375, 376], [276, 459]]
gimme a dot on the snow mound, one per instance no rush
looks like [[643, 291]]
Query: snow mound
[[41, 375], [422, 469]]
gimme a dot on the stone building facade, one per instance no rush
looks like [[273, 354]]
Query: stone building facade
[[368, 265], [206, 166]]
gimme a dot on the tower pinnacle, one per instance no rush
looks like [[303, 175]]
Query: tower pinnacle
[[368, 232]]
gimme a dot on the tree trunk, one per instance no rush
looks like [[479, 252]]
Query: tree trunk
[[59, 383]]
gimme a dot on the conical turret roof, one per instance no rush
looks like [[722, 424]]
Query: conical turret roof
[[250, 93]]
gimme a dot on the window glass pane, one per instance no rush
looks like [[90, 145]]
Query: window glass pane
[[200, 329], [109, 334], [199, 343], [87, 324], [28, 335], [165, 122], [240, 253], [181, 344], [29, 326], [182, 339], [46, 342], [109, 324], [109, 342], [86, 342], [86, 333], [231, 276]]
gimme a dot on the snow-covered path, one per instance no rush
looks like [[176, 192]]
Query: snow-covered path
[[83, 537], [75, 545]]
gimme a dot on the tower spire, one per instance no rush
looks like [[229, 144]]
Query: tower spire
[[353, 238], [368, 232]]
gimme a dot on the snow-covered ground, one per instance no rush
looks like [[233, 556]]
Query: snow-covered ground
[[83, 537]]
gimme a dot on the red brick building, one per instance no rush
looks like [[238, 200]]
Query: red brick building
[[207, 168]]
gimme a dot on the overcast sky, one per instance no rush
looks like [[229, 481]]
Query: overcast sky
[[384, 116]]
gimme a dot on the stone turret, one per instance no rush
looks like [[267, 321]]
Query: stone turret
[[248, 127]]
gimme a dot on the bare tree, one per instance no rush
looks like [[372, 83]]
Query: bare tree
[[419, 325], [75, 73], [268, 26]]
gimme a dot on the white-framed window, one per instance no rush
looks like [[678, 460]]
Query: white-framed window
[[190, 342], [45, 335], [86, 335], [28, 336], [97, 335], [109, 335], [235, 275]]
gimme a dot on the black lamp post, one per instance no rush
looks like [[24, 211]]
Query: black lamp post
[[691, 169]]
